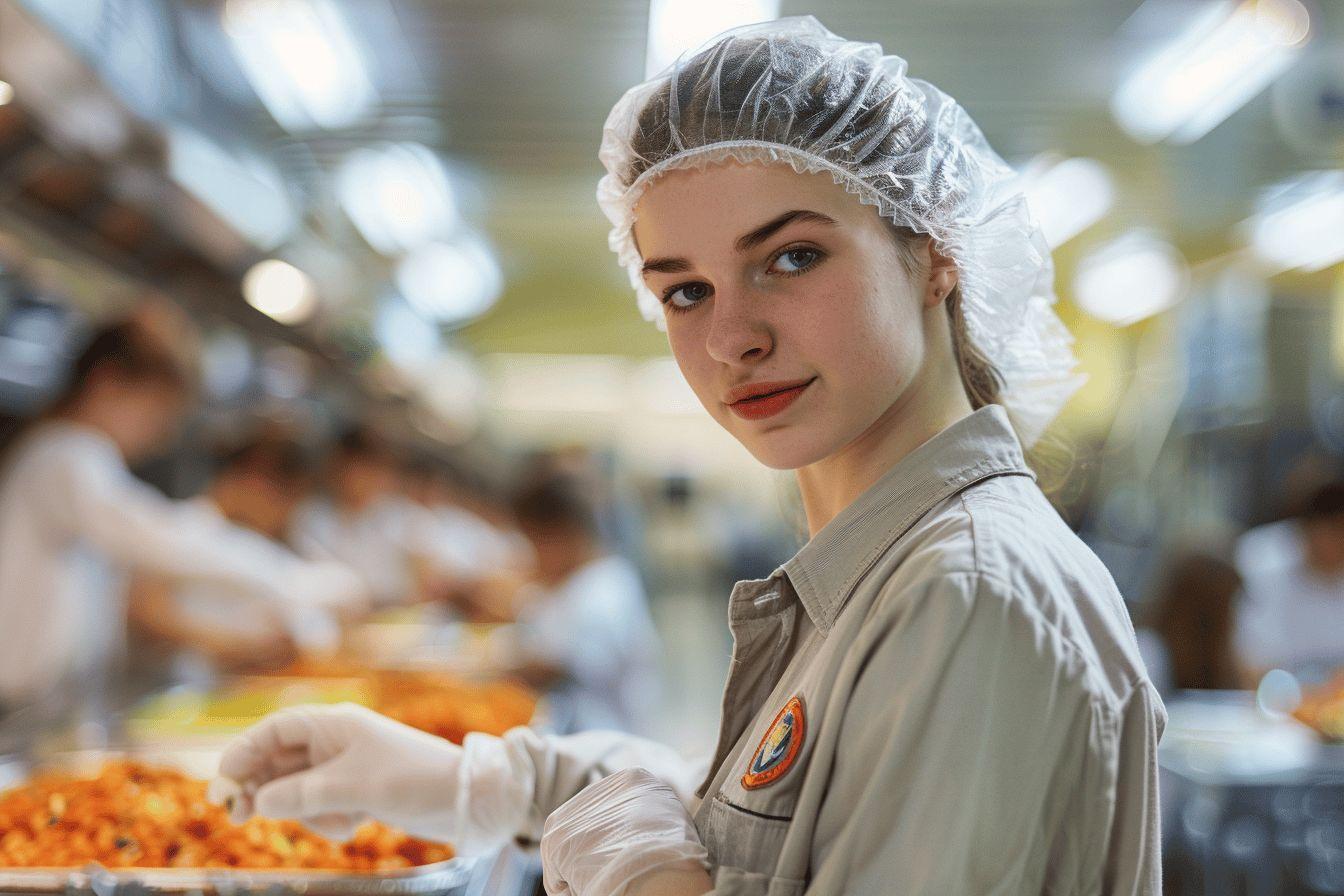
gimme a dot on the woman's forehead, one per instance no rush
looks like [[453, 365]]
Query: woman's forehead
[[719, 202]]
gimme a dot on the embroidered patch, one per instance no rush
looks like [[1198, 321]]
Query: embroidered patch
[[779, 747]]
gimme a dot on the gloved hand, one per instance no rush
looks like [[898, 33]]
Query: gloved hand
[[625, 835], [333, 767]]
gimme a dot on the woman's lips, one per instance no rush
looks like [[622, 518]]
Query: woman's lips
[[768, 405]]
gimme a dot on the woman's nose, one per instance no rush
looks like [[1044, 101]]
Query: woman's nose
[[736, 332]]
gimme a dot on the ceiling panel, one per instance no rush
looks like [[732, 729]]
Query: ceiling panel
[[517, 90]]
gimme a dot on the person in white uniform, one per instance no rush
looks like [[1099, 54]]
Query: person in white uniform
[[365, 522], [465, 547], [940, 693], [583, 630], [1291, 614], [74, 522], [191, 631]]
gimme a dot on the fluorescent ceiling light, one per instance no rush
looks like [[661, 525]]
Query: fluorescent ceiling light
[[1300, 224], [6, 93], [398, 195], [301, 60], [1130, 278], [451, 282], [676, 26], [1067, 196], [246, 192], [281, 291], [1227, 55]]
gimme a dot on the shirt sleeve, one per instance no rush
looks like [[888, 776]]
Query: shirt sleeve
[[1133, 859], [140, 527], [564, 765], [589, 626], [972, 760]]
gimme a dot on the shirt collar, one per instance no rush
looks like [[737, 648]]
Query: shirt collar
[[826, 569]]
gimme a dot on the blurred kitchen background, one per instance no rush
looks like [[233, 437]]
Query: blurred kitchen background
[[380, 214]]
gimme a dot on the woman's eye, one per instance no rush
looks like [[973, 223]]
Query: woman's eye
[[686, 295], [795, 261]]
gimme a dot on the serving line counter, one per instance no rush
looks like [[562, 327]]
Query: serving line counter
[[398, 666], [1253, 802], [133, 816]]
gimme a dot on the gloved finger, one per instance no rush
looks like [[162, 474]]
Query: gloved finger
[[338, 827], [654, 874], [270, 747], [268, 767], [311, 794], [242, 760], [249, 755], [234, 797]]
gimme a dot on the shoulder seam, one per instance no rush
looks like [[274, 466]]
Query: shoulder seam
[[1015, 601]]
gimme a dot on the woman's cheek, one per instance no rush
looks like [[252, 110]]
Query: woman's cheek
[[826, 325], [688, 350]]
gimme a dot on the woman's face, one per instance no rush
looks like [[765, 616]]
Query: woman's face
[[772, 280]]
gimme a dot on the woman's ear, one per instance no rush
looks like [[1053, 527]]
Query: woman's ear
[[942, 277]]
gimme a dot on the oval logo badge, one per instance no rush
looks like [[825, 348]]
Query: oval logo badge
[[779, 747]]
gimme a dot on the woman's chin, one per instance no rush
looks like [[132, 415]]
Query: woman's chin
[[784, 449]]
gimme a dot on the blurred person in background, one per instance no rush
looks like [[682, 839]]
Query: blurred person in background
[[620, 520], [464, 546], [191, 631], [365, 521], [1187, 641], [583, 629], [1292, 612], [74, 521], [486, 495], [941, 692]]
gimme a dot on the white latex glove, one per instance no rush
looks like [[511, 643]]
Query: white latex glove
[[333, 767], [611, 838]]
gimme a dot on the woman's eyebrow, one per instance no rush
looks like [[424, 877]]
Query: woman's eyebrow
[[745, 243], [665, 266], [749, 241]]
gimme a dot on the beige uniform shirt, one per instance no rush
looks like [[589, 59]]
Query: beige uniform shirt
[[940, 693]]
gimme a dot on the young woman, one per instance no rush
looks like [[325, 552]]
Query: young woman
[[940, 693]]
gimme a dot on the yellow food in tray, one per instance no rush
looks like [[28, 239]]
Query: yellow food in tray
[[431, 701], [237, 706], [1323, 709], [132, 815]]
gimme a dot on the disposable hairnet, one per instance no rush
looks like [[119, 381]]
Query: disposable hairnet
[[791, 92]]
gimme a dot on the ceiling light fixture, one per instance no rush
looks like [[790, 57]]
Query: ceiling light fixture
[[302, 61], [1223, 58]]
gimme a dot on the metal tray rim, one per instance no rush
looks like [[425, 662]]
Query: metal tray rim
[[436, 876], [426, 878]]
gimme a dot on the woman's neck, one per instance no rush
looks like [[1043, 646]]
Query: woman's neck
[[831, 484]]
